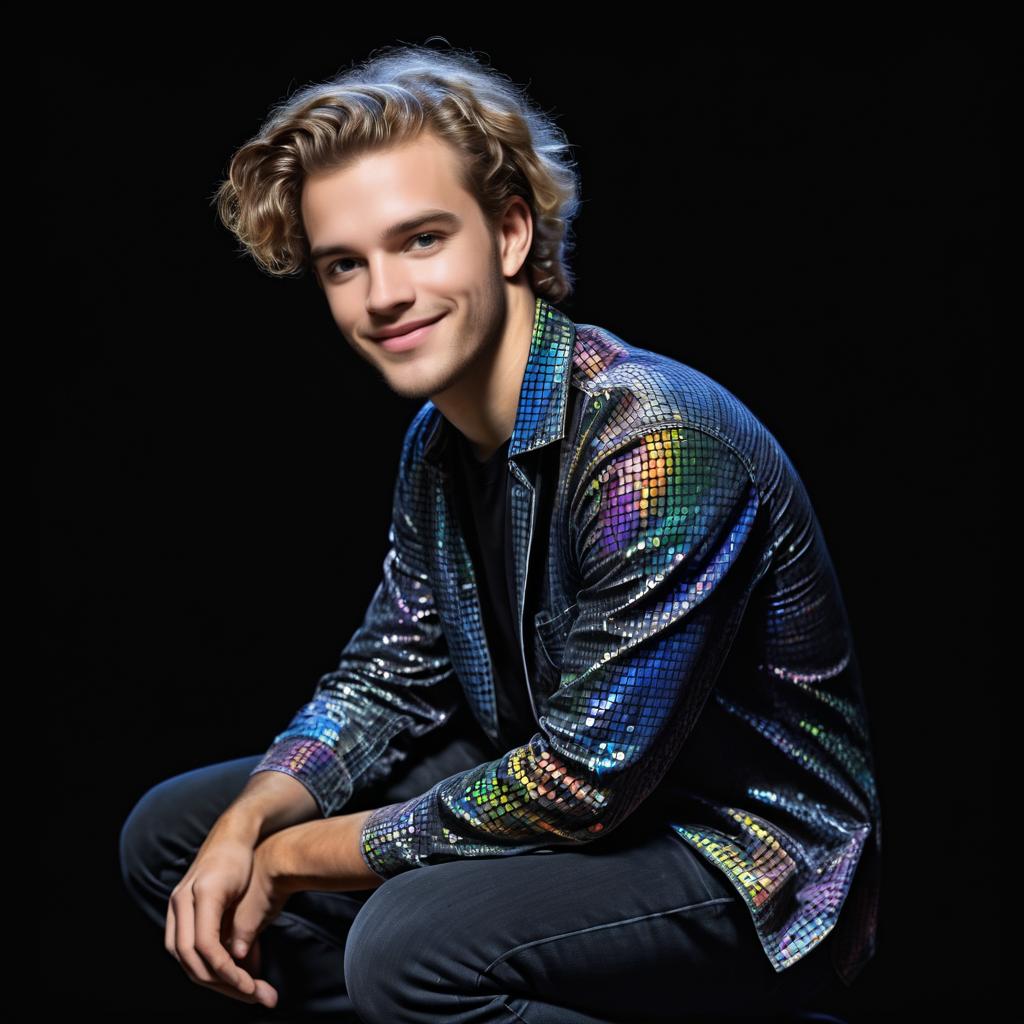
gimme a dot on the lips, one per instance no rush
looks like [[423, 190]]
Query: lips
[[411, 338], [402, 329]]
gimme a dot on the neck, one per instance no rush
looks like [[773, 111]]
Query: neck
[[482, 406], [482, 452]]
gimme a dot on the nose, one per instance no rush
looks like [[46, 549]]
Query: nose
[[390, 289]]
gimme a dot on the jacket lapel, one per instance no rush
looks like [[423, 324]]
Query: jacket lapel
[[540, 420]]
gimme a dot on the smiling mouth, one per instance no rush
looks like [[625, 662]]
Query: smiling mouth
[[410, 339], [422, 323]]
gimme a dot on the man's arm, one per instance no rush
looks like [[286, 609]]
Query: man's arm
[[394, 680], [269, 802], [323, 856], [659, 528]]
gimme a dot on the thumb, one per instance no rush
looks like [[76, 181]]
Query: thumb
[[240, 937], [239, 940], [243, 945], [251, 960]]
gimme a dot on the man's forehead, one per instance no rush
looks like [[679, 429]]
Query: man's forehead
[[339, 206]]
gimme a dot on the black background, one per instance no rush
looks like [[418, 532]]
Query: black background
[[810, 225]]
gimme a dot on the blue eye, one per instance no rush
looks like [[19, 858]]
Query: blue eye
[[329, 269]]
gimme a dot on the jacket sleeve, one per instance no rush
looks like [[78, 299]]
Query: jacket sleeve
[[394, 680], [658, 529]]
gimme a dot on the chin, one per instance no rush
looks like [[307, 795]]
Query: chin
[[419, 394], [410, 385]]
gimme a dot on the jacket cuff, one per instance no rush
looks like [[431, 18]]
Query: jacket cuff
[[315, 765], [389, 840]]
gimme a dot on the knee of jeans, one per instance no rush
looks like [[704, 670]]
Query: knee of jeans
[[139, 849], [386, 950]]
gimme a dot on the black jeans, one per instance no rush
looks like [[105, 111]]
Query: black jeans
[[634, 926]]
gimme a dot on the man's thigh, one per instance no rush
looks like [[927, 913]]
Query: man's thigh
[[633, 924]]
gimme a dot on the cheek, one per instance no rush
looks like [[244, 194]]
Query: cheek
[[453, 267], [341, 314]]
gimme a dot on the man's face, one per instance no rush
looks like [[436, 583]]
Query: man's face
[[448, 266]]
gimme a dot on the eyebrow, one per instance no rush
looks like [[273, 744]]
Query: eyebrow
[[426, 217]]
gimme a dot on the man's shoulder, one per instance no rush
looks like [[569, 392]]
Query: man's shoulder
[[640, 390]]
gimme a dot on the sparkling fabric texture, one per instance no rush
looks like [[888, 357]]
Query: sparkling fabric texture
[[689, 631]]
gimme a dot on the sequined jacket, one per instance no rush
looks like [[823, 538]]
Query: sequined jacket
[[688, 621]]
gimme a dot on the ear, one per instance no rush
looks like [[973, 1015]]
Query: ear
[[514, 235]]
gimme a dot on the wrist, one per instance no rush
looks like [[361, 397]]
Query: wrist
[[275, 855], [242, 822], [269, 802], [319, 856]]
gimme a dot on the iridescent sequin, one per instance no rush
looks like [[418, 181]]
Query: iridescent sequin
[[691, 629]]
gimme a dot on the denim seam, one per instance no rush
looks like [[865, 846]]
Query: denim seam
[[597, 927], [513, 1012]]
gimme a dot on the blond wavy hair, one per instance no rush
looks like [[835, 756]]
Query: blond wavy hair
[[508, 147]]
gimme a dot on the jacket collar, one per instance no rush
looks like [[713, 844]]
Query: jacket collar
[[543, 394]]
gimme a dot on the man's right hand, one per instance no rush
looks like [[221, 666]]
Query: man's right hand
[[199, 917], [200, 908]]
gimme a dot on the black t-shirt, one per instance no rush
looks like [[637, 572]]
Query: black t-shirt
[[482, 492]]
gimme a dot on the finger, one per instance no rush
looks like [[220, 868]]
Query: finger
[[264, 995], [253, 963], [169, 931], [253, 960], [185, 940], [209, 912], [233, 937]]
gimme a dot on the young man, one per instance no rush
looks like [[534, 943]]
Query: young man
[[599, 747]]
